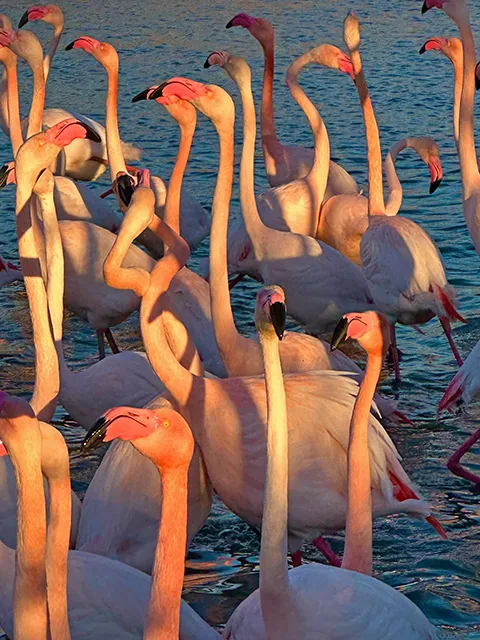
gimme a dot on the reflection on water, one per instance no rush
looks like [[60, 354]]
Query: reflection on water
[[412, 96]]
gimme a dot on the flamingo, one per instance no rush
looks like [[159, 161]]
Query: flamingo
[[9, 272], [292, 206], [284, 163], [227, 415], [120, 527], [104, 596], [194, 221], [451, 48], [317, 600], [401, 262], [305, 268], [82, 160]]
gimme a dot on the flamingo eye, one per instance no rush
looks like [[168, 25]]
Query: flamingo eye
[[165, 424]]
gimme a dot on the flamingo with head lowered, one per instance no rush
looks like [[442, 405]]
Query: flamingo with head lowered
[[83, 160], [284, 163]]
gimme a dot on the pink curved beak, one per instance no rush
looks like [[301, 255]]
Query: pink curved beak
[[436, 173], [452, 394], [345, 65]]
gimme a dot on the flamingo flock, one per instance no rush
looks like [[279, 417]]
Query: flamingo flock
[[285, 428]]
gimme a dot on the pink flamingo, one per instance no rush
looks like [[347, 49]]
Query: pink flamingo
[[284, 163], [402, 265], [316, 600], [194, 221], [83, 160], [103, 594]]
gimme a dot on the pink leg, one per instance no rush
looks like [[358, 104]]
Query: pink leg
[[101, 345], [445, 322], [323, 546], [393, 346], [454, 463], [111, 341], [297, 558]]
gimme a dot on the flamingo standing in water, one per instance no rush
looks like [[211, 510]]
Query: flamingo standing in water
[[284, 163], [401, 262], [103, 594], [83, 160], [194, 222], [315, 600], [224, 412]]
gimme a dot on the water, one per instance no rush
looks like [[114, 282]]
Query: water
[[412, 95]]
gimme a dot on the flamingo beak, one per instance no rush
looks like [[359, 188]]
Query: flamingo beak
[[95, 435], [425, 7], [477, 76], [278, 314], [206, 64], [143, 95], [125, 189], [423, 48], [339, 334], [436, 174], [23, 20], [4, 172], [91, 133], [229, 24]]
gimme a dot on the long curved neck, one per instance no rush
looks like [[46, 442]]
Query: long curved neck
[[163, 616], [226, 334], [47, 380], [272, 148], [114, 145], [376, 204], [467, 153], [54, 42], [30, 618], [318, 174], [358, 532], [38, 100], [395, 191], [274, 583], [15, 127], [251, 217], [58, 541], [172, 205]]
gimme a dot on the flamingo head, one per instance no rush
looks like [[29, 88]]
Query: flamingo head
[[24, 44], [260, 28], [369, 329], [327, 55], [7, 174], [181, 111], [271, 310], [219, 58], [103, 52], [351, 31], [455, 9], [49, 13], [11, 408], [161, 434], [453, 393], [428, 151], [64, 132]]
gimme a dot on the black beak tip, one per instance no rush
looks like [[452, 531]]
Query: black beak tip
[[69, 46], [229, 24], [339, 334], [278, 315], [91, 134], [23, 20], [422, 49], [477, 81], [425, 7], [94, 436], [4, 171], [434, 186], [140, 96], [206, 64]]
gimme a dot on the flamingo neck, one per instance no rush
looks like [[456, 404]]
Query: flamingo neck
[[272, 148], [4, 115], [38, 100], [54, 42], [251, 217], [226, 334], [58, 542], [358, 532], [172, 205], [163, 616], [30, 593], [395, 191], [318, 174], [13, 106], [114, 145], [47, 380], [467, 152], [376, 204], [457, 96], [274, 583]]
